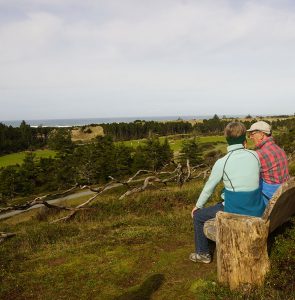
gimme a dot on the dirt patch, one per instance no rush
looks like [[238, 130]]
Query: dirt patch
[[86, 133], [56, 262]]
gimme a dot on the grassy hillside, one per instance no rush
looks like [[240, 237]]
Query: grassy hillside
[[17, 158], [86, 133], [135, 248]]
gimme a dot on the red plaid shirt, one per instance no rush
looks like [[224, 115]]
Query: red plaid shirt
[[274, 163]]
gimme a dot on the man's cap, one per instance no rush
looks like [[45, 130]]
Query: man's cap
[[260, 126]]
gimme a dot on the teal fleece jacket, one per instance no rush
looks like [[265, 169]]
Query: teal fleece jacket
[[242, 168]]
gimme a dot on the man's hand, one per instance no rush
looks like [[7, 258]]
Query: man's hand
[[194, 209]]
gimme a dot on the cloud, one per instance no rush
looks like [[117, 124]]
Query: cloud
[[183, 52]]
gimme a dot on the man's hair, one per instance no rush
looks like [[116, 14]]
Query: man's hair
[[234, 130]]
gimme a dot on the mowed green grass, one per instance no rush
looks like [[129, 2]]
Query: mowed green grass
[[176, 144], [17, 158]]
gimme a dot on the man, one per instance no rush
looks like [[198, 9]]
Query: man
[[273, 159], [239, 169]]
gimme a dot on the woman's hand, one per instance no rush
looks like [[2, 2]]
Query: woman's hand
[[194, 209]]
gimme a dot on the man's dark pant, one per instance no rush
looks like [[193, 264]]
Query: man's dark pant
[[200, 217]]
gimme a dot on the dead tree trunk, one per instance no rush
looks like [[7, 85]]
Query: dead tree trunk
[[242, 258]]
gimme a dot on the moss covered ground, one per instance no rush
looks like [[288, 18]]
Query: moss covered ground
[[134, 248]]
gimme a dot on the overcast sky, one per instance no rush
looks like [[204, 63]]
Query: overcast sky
[[120, 58]]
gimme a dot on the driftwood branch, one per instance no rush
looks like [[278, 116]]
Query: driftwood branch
[[180, 174], [84, 205], [146, 182], [6, 235], [41, 200], [205, 173], [177, 174]]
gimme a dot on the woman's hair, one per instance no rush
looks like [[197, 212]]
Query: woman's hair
[[234, 130]]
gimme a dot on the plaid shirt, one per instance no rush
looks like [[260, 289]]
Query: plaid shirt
[[274, 163]]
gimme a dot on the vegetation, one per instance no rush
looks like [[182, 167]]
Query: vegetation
[[94, 162], [130, 248], [143, 129], [18, 158], [135, 248], [22, 138], [190, 151], [86, 164]]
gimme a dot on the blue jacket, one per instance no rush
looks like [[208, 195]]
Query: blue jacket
[[239, 169]]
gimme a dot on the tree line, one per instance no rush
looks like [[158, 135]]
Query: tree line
[[25, 137], [89, 164], [22, 138], [81, 164], [143, 129], [212, 126]]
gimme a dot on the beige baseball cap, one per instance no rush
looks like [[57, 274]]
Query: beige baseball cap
[[260, 126]]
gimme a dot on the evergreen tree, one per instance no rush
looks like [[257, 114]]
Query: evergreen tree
[[166, 153], [190, 150], [152, 155], [123, 160], [26, 134], [66, 170], [60, 139], [28, 173], [9, 181]]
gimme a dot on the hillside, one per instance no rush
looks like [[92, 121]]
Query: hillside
[[86, 133], [135, 248]]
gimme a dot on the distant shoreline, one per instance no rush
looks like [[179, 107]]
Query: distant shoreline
[[88, 121], [97, 121]]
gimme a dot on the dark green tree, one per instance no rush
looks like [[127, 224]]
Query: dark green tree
[[60, 139], [123, 160], [152, 155], [9, 182], [26, 134], [166, 153], [28, 173], [190, 150]]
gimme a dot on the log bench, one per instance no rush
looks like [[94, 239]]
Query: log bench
[[241, 241]]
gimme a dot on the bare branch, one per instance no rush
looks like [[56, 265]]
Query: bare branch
[[137, 173], [39, 200], [180, 174], [147, 181], [199, 166], [118, 181], [188, 171], [205, 173], [106, 187], [5, 235]]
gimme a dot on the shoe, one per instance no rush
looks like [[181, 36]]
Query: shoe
[[204, 258]]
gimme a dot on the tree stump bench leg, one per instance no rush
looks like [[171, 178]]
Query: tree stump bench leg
[[241, 243]]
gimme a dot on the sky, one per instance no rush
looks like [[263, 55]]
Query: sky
[[124, 58]]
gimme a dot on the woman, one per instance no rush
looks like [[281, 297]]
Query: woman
[[239, 169]]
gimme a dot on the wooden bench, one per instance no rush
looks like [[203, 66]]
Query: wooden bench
[[241, 241]]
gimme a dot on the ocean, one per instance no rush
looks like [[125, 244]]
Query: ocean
[[88, 121]]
